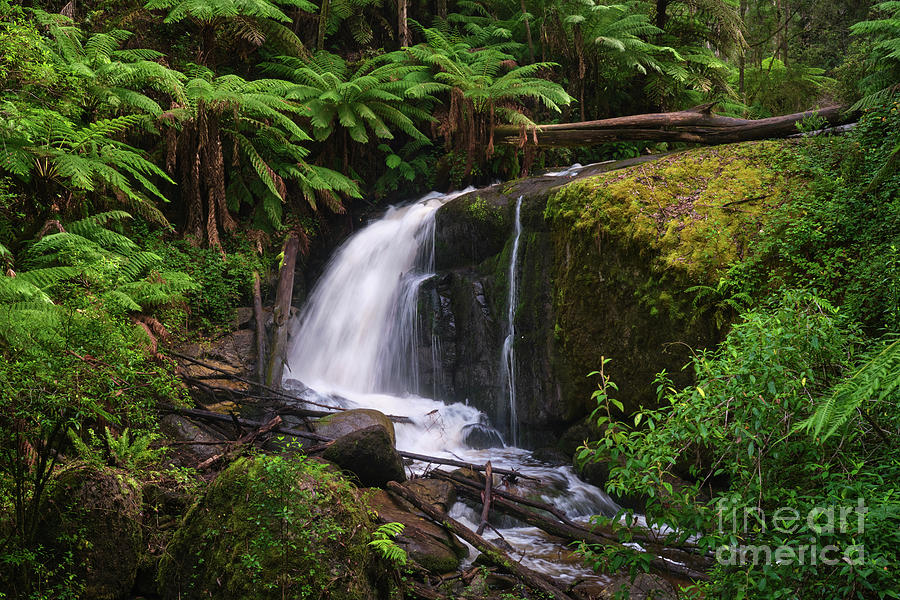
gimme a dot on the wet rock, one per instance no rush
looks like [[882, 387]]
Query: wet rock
[[268, 525], [440, 494], [368, 454], [479, 436], [551, 456], [644, 587], [182, 429], [95, 515], [427, 543], [348, 421]]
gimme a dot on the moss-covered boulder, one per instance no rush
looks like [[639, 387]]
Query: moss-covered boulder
[[94, 514], [369, 455], [630, 245], [270, 527], [348, 421]]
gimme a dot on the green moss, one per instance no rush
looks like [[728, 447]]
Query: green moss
[[94, 516], [271, 526], [628, 244], [693, 213]]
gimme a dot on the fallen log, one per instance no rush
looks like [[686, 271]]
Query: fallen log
[[242, 441], [642, 536], [222, 418], [697, 125], [229, 375], [491, 552], [685, 564], [464, 465]]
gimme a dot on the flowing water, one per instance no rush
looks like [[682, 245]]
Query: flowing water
[[508, 354], [354, 346]]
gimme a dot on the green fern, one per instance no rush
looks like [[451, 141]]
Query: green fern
[[874, 382], [384, 543], [881, 83]]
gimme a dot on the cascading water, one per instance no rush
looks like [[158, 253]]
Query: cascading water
[[508, 354], [354, 346]]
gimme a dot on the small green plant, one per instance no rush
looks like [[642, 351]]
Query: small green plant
[[384, 543]]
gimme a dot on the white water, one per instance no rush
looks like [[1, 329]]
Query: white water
[[354, 346], [508, 354]]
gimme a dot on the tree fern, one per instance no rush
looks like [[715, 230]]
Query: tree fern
[[876, 381], [881, 83]]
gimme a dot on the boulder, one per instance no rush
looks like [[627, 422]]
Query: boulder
[[437, 492], [427, 543], [182, 429], [348, 421], [368, 454], [94, 515], [480, 437], [272, 526]]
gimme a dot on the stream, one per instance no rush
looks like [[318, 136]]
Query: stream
[[354, 347]]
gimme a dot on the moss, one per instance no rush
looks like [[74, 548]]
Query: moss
[[271, 526], [694, 212], [629, 244], [95, 514]]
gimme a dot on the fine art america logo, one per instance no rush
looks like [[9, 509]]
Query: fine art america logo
[[806, 548]]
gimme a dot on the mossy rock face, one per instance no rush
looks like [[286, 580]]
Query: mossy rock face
[[471, 228], [95, 514], [270, 527], [628, 245]]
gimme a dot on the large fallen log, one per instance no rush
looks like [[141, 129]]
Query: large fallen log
[[697, 125], [640, 535], [494, 554], [665, 561], [222, 418]]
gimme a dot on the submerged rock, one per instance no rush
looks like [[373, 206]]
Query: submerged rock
[[479, 436], [272, 527], [368, 454], [95, 514]]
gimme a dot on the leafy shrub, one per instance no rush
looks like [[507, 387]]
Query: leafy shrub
[[737, 435]]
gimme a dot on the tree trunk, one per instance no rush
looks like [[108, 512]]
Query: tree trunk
[[323, 24], [260, 329], [527, 32], [282, 312], [697, 125], [402, 25]]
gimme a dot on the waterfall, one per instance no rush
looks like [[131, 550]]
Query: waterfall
[[355, 345], [358, 330], [508, 354]]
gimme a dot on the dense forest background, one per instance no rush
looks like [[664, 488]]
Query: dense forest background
[[153, 156]]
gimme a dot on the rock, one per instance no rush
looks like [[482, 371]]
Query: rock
[[551, 456], [181, 429], [243, 315], [427, 543], [348, 421], [644, 587], [368, 454], [479, 436], [437, 492], [95, 515], [268, 527]]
